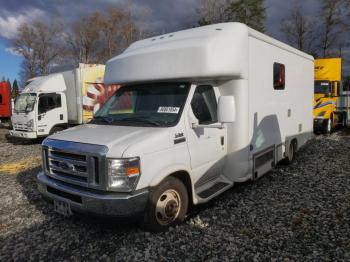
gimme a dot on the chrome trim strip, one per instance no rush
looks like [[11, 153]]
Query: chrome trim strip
[[61, 159]]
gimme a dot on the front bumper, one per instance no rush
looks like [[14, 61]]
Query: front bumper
[[21, 134], [101, 203]]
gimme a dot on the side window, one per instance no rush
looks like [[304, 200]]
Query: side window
[[279, 76], [204, 105], [48, 102], [0, 99]]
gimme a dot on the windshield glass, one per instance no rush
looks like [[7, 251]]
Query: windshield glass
[[144, 105], [25, 103], [322, 87]]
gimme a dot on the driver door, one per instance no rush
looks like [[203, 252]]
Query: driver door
[[207, 146], [50, 112]]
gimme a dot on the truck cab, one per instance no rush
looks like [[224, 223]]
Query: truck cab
[[327, 89], [5, 101], [41, 108]]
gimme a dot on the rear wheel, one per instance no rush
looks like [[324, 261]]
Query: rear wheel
[[167, 205], [291, 153]]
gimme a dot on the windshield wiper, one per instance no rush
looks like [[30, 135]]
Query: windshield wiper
[[139, 119]]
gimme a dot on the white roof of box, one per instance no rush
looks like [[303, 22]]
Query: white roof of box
[[216, 51]]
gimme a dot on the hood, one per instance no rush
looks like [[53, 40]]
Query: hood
[[122, 141]]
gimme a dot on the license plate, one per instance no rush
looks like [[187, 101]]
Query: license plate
[[62, 208]]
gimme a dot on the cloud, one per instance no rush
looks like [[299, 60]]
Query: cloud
[[9, 22], [12, 51]]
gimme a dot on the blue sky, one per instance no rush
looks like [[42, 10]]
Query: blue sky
[[9, 64]]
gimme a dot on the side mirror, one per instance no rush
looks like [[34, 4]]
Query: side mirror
[[226, 109]]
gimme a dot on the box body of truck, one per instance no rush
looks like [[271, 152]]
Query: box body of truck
[[5, 101], [52, 103], [198, 110]]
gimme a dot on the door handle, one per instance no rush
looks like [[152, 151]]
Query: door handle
[[61, 116]]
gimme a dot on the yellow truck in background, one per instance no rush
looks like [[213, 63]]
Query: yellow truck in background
[[331, 104]]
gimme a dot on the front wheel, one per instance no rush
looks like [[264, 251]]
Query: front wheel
[[328, 126], [345, 119], [55, 130], [167, 205]]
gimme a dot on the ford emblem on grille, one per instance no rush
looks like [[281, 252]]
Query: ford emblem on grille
[[66, 166]]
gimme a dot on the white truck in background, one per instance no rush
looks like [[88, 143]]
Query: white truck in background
[[51, 103], [197, 111]]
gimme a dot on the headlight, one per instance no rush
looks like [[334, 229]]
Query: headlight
[[30, 125], [123, 174]]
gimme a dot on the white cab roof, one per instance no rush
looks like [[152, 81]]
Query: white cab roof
[[216, 51], [45, 84]]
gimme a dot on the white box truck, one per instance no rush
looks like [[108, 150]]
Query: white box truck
[[51, 103], [198, 110]]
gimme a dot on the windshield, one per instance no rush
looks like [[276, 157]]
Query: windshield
[[144, 105], [322, 87], [25, 103]]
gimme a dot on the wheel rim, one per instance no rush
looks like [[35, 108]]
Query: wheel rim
[[168, 207]]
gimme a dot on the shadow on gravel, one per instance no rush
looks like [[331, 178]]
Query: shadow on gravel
[[22, 141], [50, 236], [27, 180]]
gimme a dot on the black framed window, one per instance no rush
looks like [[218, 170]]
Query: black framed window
[[48, 102], [204, 104], [279, 76]]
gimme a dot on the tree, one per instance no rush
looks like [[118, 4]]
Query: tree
[[333, 26], [3, 79], [84, 37], [38, 43], [14, 90], [299, 30], [249, 12], [212, 11], [118, 31], [9, 83], [98, 37]]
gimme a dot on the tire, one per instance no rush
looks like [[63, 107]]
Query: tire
[[328, 126], [55, 129], [345, 120], [167, 205], [291, 153]]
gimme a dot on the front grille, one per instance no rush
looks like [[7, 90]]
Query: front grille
[[79, 169], [75, 163], [20, 127]]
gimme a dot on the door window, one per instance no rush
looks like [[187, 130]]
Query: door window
[[48, 102], [204, 104]]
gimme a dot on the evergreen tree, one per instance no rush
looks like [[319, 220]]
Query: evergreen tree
[[3, 79], [9, 83], [14, 90]]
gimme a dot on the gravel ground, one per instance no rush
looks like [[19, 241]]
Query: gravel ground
[[296, 212]]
